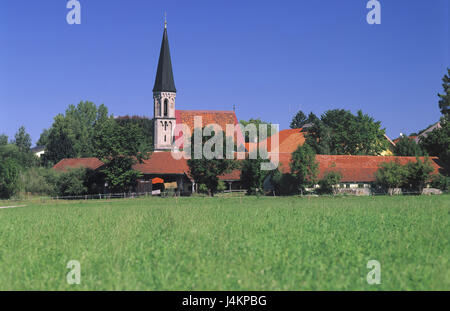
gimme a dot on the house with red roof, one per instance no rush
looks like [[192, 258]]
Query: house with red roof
[[160, 166], [88, 163], [356, 171]]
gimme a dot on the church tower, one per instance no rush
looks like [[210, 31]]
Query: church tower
[[164, 93]]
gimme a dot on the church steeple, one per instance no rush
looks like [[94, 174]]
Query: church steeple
[[164, 94], [164, 76]]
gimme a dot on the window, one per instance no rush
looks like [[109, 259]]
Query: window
[[166, 108]]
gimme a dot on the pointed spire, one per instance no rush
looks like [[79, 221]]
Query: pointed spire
[[164, 76]]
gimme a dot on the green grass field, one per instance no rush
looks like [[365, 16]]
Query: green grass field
[[244, 243]]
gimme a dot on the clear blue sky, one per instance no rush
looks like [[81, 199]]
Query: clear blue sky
[[270, 58]]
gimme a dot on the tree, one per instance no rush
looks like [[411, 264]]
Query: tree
[[120, 148], [444, 102], [256, 122], [60, 143], [341, 132], [23, 159], [205, 169], [252, 177], [391, 175], [9, 177], [366, 136], [319, 137], [407, 147], [437, 143], [43, 139], [418, 174], [298, 121], [304, 166], [145, 124], [329, 181], [22, 140], [312, 118], [72, 133], [3, 140]]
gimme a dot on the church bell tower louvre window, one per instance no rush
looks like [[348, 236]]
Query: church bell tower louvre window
[[166, 107]]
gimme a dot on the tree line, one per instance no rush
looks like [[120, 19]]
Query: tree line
[[85, 130]]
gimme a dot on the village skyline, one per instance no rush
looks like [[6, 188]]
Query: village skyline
[[268, 64]]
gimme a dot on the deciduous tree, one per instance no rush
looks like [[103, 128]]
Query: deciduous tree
[[407, 147], [206, 170], [9, 177], [119, 147], [304, 166], [22, 140], [252, 177]]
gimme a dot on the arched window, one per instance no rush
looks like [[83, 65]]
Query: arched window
[[166, 107], [158, 108]]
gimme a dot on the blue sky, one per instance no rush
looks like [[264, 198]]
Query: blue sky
[[270, 58]]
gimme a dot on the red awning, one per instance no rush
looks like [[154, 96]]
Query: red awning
[[157, 180]]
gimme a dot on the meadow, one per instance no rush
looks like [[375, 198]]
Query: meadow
[[248, 243]]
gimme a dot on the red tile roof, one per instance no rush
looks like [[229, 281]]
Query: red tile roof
[[288, 142], [66, 164], [209, 117], [353, 168], [232, 176], [162, 163]]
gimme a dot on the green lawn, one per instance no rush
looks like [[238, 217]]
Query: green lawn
[[228, 243]]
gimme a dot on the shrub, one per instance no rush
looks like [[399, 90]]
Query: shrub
[[71, 183], [202, 188], [441, 182], [9, 178], [418, 173], [221, 186], [329, 181], [39, 180], [390, 175], [284, 184], [413, 175]]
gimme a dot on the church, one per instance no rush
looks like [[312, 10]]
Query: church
[[166, 117]]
